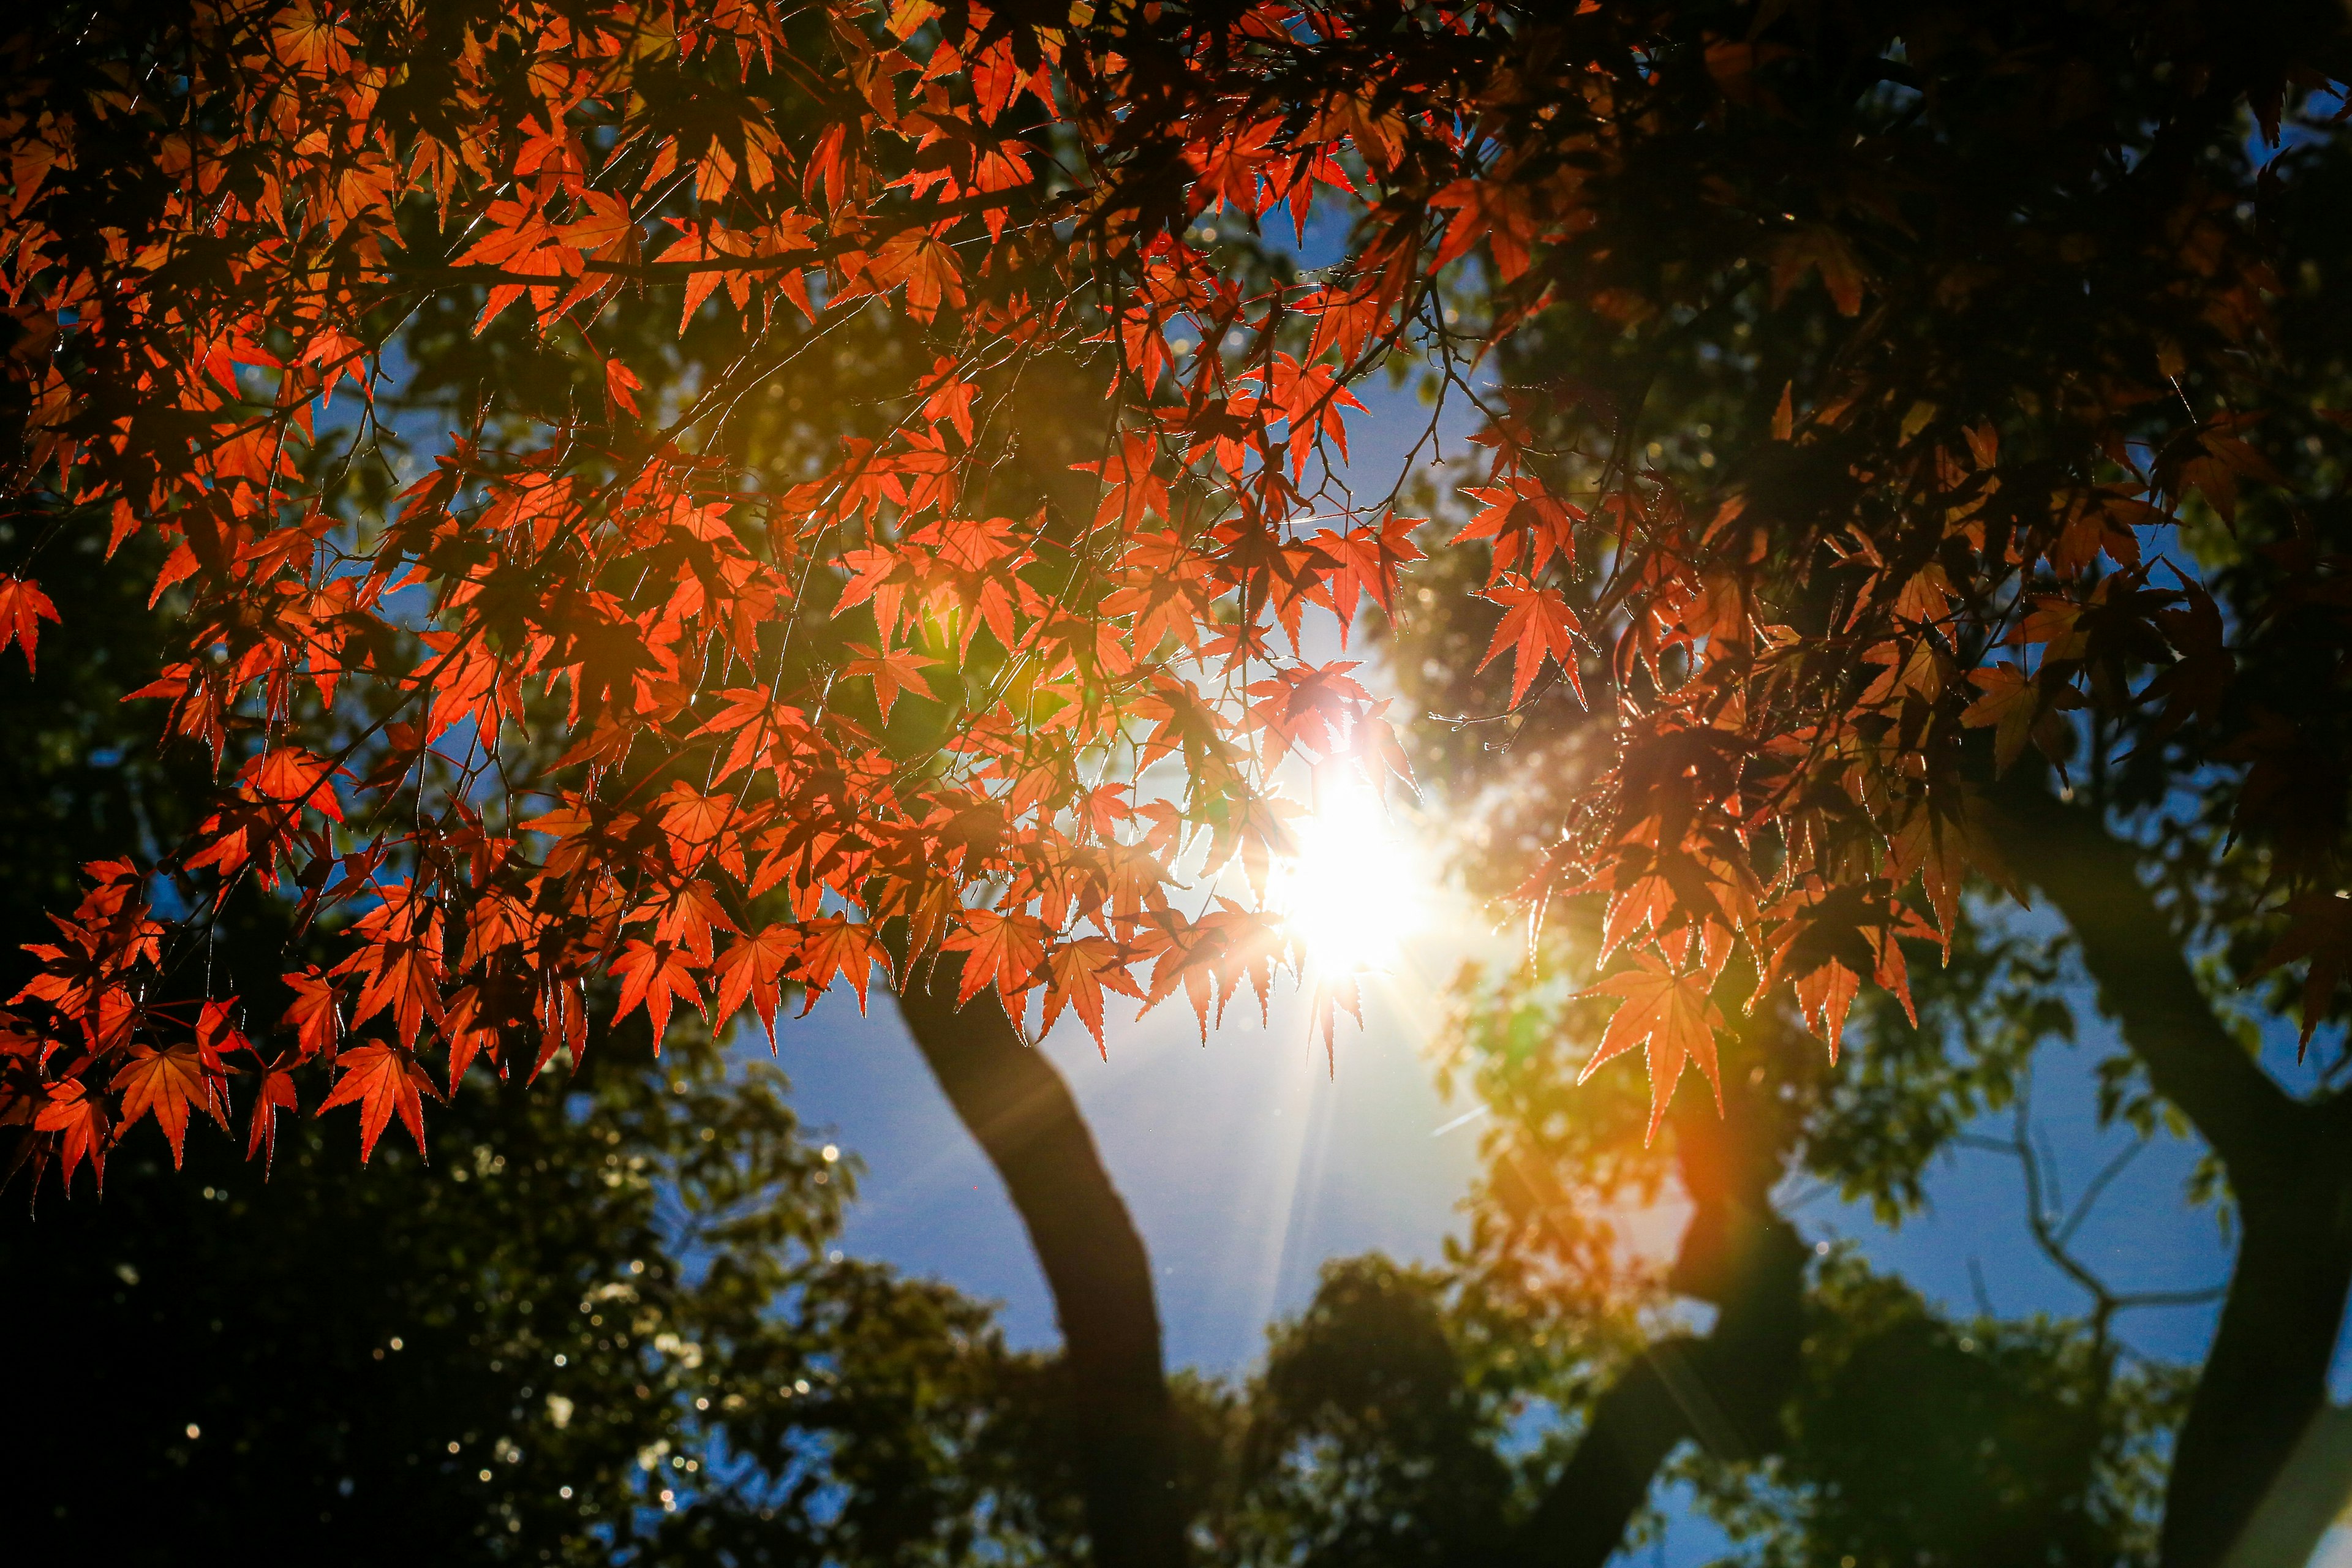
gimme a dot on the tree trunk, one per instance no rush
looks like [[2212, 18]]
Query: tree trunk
[[1013, 1102], [2267, 1379], [2306, 1498], [2289, 1162]]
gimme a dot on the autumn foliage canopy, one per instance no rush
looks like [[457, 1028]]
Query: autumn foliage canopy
[[584, 705]]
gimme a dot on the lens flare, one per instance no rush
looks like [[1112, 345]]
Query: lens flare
[[1354, 892]]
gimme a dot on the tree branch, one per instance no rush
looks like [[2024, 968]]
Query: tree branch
[[2092, 876], [1582, 1518], [1724, 1391], [2039, 1168], [1013, 1102], [2266, 1378]]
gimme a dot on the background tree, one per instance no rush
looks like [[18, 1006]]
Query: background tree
[[1383, 1431]]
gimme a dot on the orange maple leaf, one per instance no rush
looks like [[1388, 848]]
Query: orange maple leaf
[[837, 944], [1537, 623], [288, 775], [621, 385], [1077, 974], [1819, 246], [899, 669], [2010, 703], [1500, 212], [753, 968], [606, 229], [1229, 168], [922, 262], [1001, 950], [304, 38], [697, 244], [1673, 1014], [2020, 709], [948, 395]]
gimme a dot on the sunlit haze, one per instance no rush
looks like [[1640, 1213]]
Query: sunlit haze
[[1356, 890]]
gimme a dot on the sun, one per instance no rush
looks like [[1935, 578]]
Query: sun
[[1354, 893]]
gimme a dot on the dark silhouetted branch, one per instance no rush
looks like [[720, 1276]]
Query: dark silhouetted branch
[[2289, 1165], [1010, 1099], [1724, 1391]]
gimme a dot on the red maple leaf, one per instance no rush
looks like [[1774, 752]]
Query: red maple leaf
[[313, 1012], [380, 1079], [261, 1137], [23, 608], [71, 1110], [167, 1084], [651, 974]]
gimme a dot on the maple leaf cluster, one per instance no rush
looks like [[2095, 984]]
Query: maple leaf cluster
[[1827, 676], [897, 708]]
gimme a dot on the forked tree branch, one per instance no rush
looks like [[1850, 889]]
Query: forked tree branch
[[2053, 1232]]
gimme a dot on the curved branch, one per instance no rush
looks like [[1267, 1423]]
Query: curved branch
[[1726, 1390], [1582, 1518], [2146, 984], [2052, 1236], [1012, 1102], [2266, 1377]]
